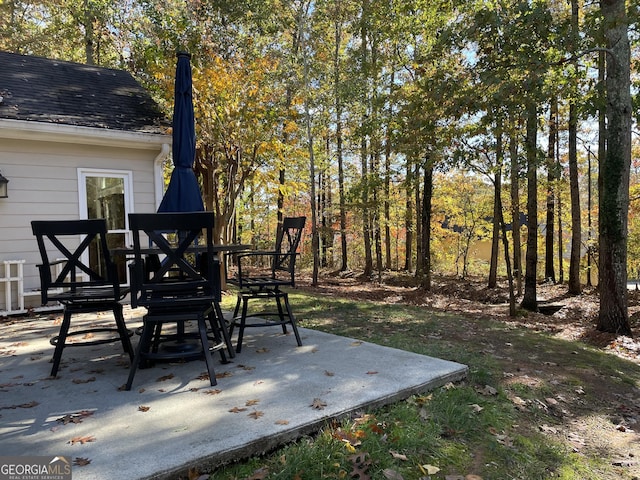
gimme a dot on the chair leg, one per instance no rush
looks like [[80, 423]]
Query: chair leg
[[237, 308], [202, 328], [143, 347], [234, 316], [243, 320], [218, 342], [155, 338], [283, 321], [222, 328], [60, 342], [122, 330], [292, 319]]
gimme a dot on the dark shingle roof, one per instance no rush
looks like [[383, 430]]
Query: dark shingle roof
[[53, 91]]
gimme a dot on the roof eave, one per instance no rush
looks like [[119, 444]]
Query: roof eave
[[57, 132]]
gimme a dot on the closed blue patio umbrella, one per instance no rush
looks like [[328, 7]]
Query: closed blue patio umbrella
[[183, 193]]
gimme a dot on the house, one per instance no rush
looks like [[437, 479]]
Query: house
[[76, 141]]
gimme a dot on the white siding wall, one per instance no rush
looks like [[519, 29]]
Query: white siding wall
[[43, 184]]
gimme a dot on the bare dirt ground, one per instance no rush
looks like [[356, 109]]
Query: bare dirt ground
[[595, 412]]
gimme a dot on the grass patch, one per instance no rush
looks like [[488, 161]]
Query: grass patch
[[506, 420]]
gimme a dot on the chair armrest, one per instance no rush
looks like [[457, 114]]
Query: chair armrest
[[238, 278], [277, 258]]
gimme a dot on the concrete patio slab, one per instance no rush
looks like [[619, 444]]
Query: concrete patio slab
[[172, 419]]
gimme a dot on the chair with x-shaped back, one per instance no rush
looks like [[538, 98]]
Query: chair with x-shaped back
[[255, 283], [184, 285], [77, 272]]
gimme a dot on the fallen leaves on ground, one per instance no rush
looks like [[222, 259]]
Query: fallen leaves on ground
[[488, 390], [143, 408], [251, 403], [519, 403], [429, 469], [351, 437], [360, 463], [82, 440], [462, 477], [501, 438], [398, 456], [256, 414], [81, 462], [194, 474], [164, 378], [83, 380], [318, 404], [391, 474], [21, 405], [74, 417], [237, 409], [259, 474], [213, 391]]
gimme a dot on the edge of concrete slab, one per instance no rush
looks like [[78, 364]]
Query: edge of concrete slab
[[266, 444]]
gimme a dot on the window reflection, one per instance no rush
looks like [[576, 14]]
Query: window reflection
[[106, 199]]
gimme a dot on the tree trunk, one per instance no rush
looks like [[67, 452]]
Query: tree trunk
[[614, 204], [89, 34], [576, 224], [419, 216], [365, 99], [387, 183], [507, 261], [497, 206], [366, 219], [324, 214], [515, 205], [574, 188], [374, 158], [425, 279], [529, 300], [375, 217], [552, 174], [602, 129], [315, 239], [408, 219], [560, 243], [344, 264]]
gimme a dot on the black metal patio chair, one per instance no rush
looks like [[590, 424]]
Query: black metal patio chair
[[77, 271], [183, 285], [256, 283]]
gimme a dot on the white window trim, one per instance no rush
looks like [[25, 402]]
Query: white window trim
[[127, 175]]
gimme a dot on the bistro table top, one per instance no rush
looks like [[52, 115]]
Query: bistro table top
[[218, 247]]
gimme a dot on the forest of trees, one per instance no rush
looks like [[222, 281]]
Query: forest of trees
[[407, 131]]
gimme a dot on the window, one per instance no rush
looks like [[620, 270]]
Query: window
[[107, 194]]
